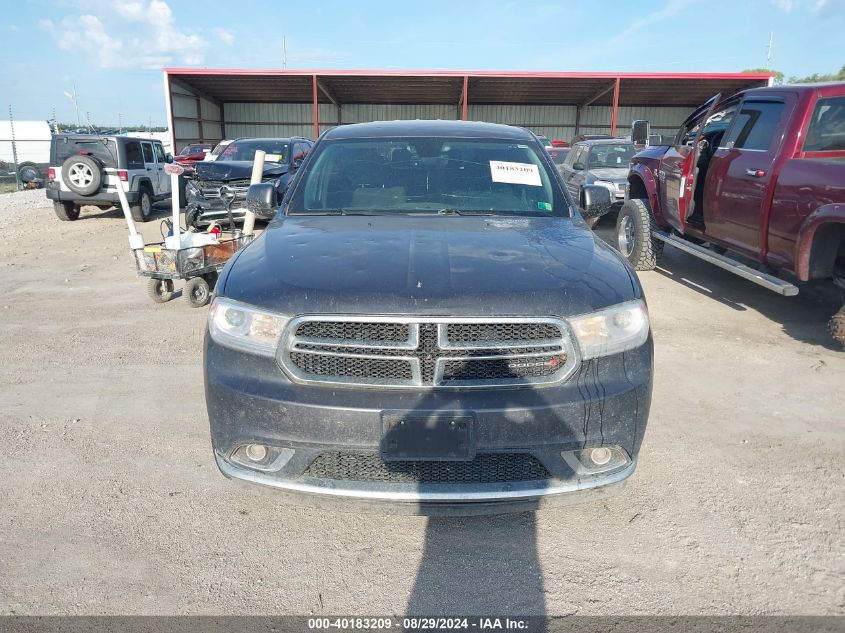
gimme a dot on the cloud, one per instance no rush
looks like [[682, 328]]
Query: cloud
[[224, 35], [128, 34], [671, 8], [820, 7], [785, 5]]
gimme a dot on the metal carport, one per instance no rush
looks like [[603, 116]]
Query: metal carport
[[212, 104]]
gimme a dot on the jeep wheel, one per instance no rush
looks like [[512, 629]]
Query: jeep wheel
[[66, 211], [142, 210], [634, 238], [83, 174], [836, 326]]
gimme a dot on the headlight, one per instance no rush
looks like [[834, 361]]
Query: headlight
[[191, 190], [612, 330], [245, 328], [605, 183]]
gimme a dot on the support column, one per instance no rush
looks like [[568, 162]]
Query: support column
[[316, 107], [614, 114], [577, 122], [465, 100]]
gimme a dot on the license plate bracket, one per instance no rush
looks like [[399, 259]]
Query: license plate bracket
[[413, 436]]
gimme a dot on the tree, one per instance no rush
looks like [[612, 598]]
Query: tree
[[778, 75], [817, 78]]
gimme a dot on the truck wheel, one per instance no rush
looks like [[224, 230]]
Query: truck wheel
[[160, 290], [197, 292], [634, 237], [28, 172], [142, 210], [83, 174], [836, 326], [65, 210]]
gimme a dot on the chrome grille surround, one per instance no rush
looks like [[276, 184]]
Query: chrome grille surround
[[428, 354]]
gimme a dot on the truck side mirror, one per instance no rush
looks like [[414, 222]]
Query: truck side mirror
[[168, 158], [640, 130], [579, 166], [596, 199], [261, 200]]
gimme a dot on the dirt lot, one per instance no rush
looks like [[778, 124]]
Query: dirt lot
[[111, 502]]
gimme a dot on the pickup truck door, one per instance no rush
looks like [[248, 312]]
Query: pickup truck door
[[677, 167], [741, 180]]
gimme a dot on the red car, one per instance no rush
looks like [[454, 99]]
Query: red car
[[193, 152], [759, 176]]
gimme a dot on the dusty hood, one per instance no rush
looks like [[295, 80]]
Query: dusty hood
[[235, 169], [428, 265], [613, 174]]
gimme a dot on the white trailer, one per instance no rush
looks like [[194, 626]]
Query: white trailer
[[32, 145]]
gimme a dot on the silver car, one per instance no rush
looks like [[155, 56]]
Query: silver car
[[601, 162]]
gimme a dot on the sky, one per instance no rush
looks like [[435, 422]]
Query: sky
[[112, 51]]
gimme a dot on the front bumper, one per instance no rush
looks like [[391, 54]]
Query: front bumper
[[606, 402]]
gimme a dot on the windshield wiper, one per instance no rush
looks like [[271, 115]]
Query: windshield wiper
[[453, 211]]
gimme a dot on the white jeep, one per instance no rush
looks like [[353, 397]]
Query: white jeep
[[78, 173]]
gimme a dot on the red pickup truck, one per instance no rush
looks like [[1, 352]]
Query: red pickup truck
[[753, 183]]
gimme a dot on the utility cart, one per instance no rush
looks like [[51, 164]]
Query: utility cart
[[197, 266]]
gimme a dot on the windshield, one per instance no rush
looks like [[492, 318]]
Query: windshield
[[434, 175], [276, 150], [610, 155]]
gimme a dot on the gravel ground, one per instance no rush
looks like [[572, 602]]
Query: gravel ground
[[111, 502]]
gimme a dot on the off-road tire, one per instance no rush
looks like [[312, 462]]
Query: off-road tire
[[28, 172], [645, 250], [836, 326], [143, 209], [65, 210], [160, 290], [197, 292], [82, 174]]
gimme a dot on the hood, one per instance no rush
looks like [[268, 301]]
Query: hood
[[449, 265], [613, 174], [235, 170]]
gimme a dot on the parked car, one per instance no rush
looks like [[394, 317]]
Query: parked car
[[218, 149], [601, 162], [77, 175], [192, 153], [590, 137], [556, 142], [759, 176], [32, 146], [217, 187], [558, 155], [428, 322]]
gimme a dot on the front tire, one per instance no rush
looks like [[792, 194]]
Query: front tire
[[65, 210], [836, 326], [160, 290], [197, 292], [142, 211], [634, 235]]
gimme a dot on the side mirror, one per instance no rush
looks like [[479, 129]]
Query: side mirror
[[261, 200], [640, 130], [168, 158], [596, 200], [579, 166], [297, 163]]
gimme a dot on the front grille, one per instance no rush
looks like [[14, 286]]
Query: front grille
[[212, 188], [484, 468], [437, 352]]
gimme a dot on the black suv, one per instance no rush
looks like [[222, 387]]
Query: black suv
[[428, 321], [215, 191], [85, 169]]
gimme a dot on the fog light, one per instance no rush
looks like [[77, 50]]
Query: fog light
[[595, 461], [257, 452], [600, 456], [261, 457]]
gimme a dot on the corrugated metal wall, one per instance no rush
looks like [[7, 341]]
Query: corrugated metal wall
[[195, 118], [294, 119]]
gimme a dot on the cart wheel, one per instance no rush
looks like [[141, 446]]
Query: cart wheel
[[160, 290], [197, 292]]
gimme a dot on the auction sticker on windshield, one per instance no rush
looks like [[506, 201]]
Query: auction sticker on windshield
[[515, 173]]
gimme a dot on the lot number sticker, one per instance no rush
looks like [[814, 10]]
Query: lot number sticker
[[515, 173]]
